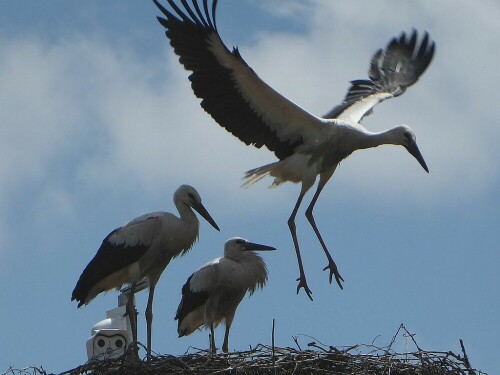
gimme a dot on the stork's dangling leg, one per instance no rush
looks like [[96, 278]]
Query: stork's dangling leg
[[291, 224], [149, 316], [132, 315], [323, 179]]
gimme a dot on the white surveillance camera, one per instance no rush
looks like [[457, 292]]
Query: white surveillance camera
[[111, 337]]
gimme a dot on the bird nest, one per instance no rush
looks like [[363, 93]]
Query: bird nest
[[264, 359]]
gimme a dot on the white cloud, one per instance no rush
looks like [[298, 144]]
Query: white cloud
[[37, 117], [80, 112], [33, 108], [117, 118], [288, 9]]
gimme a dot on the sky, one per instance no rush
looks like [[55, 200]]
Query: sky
[[98, 125]]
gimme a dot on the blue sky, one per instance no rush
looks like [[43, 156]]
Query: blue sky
[[98, 125]]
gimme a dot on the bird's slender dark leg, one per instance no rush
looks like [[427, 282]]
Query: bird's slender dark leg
[[149, 317], [225, 345], [132, 314], [291, 224], [212, 340], [323, 179]]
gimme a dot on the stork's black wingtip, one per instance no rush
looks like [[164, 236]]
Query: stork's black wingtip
[[80, 303], [162, 9], [163, 22], [159, 6]]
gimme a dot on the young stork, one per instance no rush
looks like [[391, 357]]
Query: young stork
[[143, 248], [213, 293], [306, 145]]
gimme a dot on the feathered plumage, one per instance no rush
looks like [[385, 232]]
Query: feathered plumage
[[212, 294]]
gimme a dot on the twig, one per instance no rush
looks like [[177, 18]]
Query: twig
[[274, 357], [411, 336], [296, 342], [466, 358]]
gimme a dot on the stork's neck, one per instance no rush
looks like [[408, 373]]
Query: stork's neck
[[187, 214], [387, 137], [188, 226]]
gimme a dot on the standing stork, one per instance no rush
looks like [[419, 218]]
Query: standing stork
[[212, 294], [306, 145], [143, 248]]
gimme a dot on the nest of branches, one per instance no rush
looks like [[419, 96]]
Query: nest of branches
[[265, 359]]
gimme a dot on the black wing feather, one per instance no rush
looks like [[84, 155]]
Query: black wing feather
[[391, 70], [198, 11], [191, 13], [213, 83], [109, 259], [189, 302]]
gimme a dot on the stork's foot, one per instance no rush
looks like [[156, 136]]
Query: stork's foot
[[303, 284], [334, 271]]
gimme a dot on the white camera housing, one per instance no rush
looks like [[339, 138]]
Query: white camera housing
[[110, 337]]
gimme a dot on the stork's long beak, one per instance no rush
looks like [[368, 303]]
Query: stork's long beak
[[250, 246], [415, 152], [204, 213]]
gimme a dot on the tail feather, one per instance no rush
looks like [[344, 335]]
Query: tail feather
[[255, 175]]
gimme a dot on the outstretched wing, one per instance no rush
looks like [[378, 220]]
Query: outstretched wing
[[391, 71], [230, 90]]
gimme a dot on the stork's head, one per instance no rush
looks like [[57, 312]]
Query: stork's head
[[405, 137], [189, 196], [235, 247]]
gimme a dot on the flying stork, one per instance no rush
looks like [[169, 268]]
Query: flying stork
[[306, 145], [143, 248], [212, 294]]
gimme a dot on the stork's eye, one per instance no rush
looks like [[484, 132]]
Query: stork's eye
[[191, 196]]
